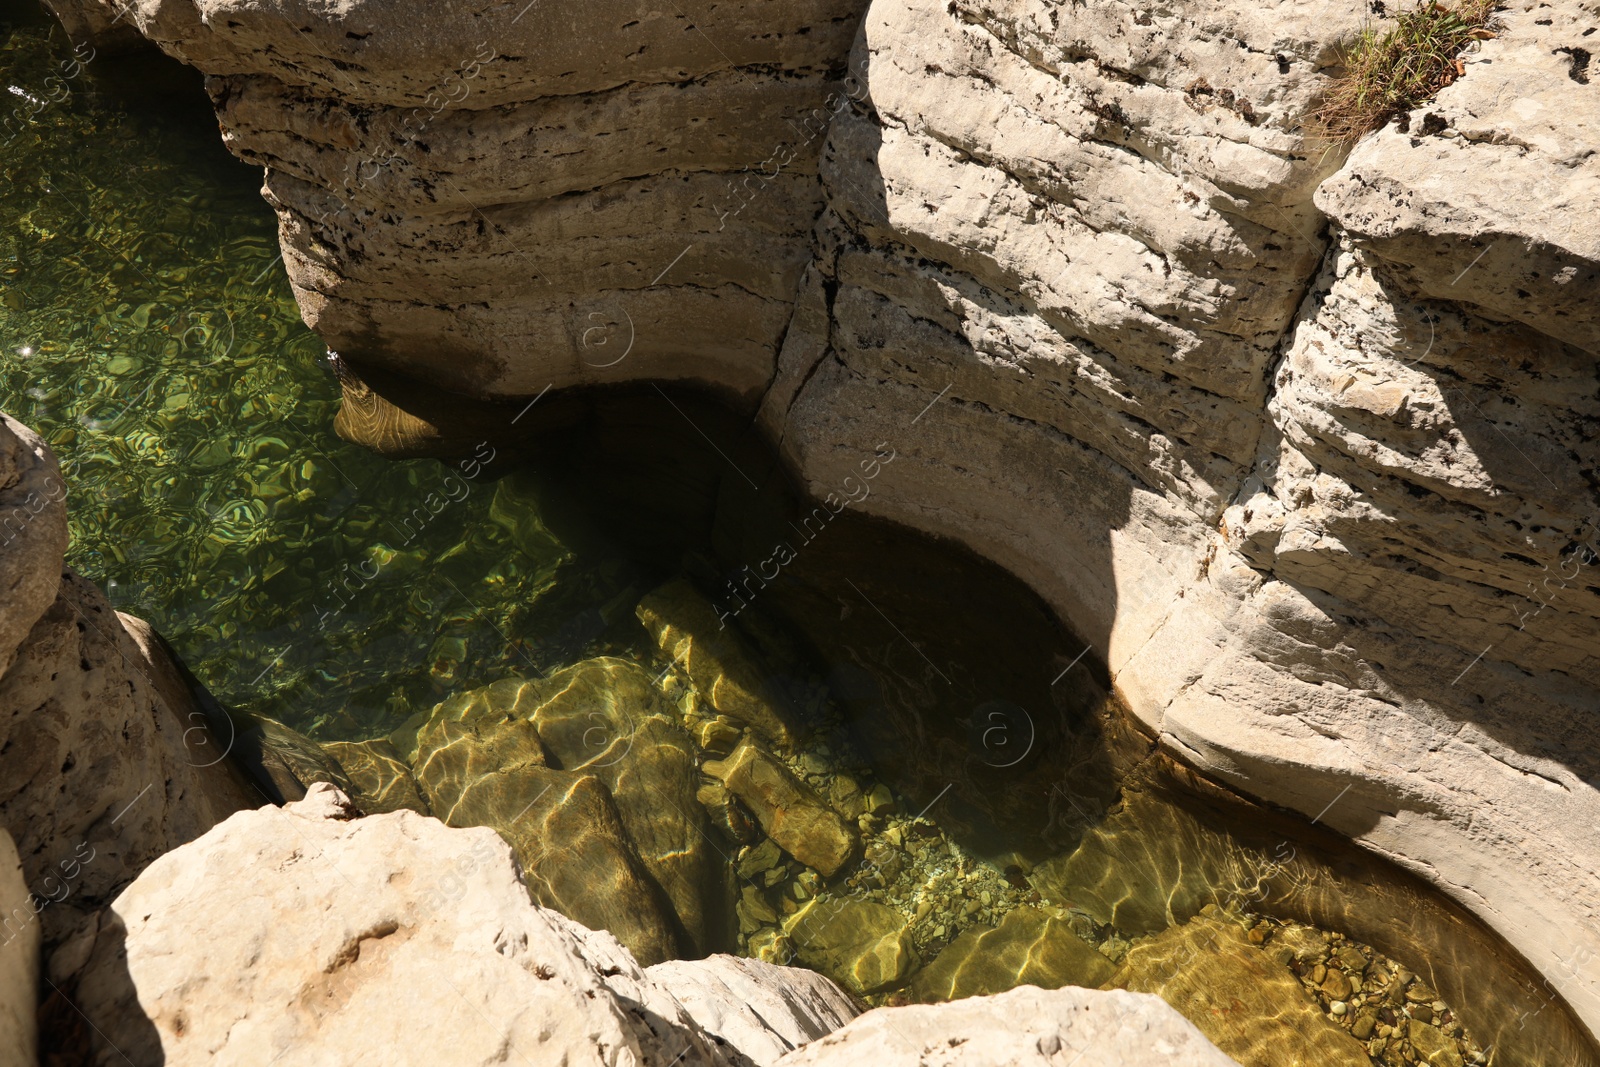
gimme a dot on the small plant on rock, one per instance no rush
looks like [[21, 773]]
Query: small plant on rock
[[1389, 72]]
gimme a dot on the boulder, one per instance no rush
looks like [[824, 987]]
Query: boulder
[[863, 946], [1029, 947], [605, 717], [761, 1010], [688, 629], [1023, 1028], [390, 938], [789, 811], [103, 768], [1239, 995], [19, 960]]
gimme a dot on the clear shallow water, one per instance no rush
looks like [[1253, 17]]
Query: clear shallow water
[[147, 331]]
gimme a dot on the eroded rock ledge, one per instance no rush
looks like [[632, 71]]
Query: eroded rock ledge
[[1305, 446]]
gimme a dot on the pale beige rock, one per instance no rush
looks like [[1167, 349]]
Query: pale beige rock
[[391, 938], [760, 1009], [676, 148], [1026, 1027], [19, 960]]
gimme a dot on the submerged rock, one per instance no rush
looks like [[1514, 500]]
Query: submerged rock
[[1148, 866], [382, 780], [288, 760], [1029, 947], [1239, 995], [604, 717], [865, 947], [685, 626], [789, 811], [600, 718], [1023, 1028], [562, 824]]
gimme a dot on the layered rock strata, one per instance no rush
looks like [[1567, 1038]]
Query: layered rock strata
[[1303, 445]]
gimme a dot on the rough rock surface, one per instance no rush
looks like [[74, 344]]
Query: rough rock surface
[[760, 1009], [1303, 446], [391, 938], [1022, 1028], [19, 960], [105, 761]]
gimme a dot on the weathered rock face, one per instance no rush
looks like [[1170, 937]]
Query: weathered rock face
[[762, 1010], [19, 959], [1304, 446], [105, 760], [339, 919], [1026, 1027]]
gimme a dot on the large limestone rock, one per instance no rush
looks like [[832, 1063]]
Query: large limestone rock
[[19, 960], [760, 1009], [106, 761], [401, 136], [1302, 446], [1026, 1027], [390, 938]]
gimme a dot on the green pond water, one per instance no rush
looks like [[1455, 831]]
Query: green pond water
[[1001, 821]]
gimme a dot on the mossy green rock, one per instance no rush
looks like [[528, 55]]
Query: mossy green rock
[[603, 718], [1246, 1001], [1029, 947], [687, 628], [863, 946], [382, 780], [563, 826], [789, 811]]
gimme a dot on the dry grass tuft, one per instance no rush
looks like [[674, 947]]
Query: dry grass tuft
[[1390, 72]]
